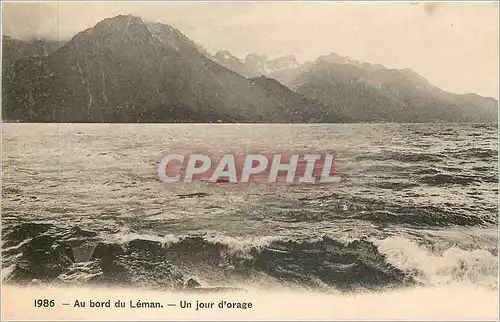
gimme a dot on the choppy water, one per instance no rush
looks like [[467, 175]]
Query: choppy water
[[418, 206]]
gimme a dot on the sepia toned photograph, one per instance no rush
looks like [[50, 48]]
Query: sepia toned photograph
[[245, 161]]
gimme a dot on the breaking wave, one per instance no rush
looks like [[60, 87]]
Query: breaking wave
[[43, 253]]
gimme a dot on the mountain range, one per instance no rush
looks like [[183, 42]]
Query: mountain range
[[127, 70]]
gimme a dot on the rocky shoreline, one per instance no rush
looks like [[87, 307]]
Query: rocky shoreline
[[42, 253]]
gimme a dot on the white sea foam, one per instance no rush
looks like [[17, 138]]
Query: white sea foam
[[479, 267]]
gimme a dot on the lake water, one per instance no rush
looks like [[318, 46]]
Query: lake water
[[417, 207]]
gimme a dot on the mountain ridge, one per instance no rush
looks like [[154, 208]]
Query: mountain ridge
[[125, 69], [402, 95]]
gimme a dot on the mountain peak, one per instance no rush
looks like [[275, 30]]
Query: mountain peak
[[126, 18], [124, 30], [285, 59], [225, 54], [113, 28], [119, 22], [337, 59]]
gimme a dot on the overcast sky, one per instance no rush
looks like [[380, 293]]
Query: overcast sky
[[454, 45]]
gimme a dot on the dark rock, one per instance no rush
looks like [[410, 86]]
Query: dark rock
[[84, 273], [143, 245], [24, 231], [140, 265], [78, 232], [191, 282], [107, 252], [43, 258], [126, 270], [83, 250], [345, 266], [197, 249]]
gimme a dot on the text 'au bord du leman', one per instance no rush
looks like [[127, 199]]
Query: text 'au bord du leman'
[[141, 304]]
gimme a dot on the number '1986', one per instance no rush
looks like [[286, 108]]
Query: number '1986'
[[44, 303]]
